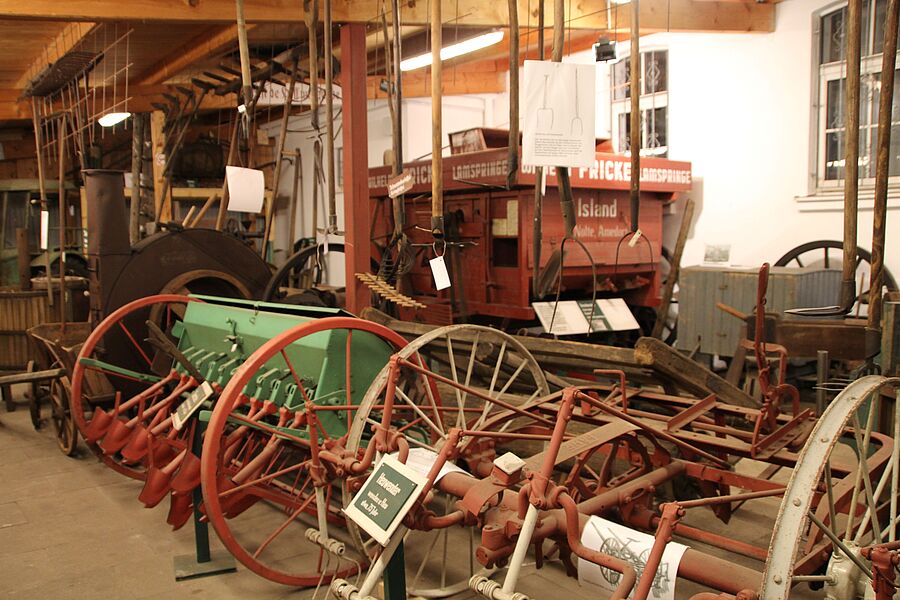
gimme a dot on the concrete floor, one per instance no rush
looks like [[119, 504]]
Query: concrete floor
[[71, 528]]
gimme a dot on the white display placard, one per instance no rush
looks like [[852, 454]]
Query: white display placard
[[633, 547], [384, 499], [246, 189], [610, 314], [559, 102]]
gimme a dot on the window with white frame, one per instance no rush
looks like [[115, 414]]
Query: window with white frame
[[654, 103], [832, 74]]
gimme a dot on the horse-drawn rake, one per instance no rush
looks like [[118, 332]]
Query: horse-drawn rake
[[297, 406]]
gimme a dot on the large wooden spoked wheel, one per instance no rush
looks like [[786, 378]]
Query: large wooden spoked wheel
[[61, 415], [845, 464], [116, 359], [487, 361], [257, 489]]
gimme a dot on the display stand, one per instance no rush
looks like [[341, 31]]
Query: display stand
[[204, 562], [395, 576]]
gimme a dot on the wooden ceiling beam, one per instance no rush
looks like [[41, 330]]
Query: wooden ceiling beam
[[214, 40], [141, 98], [67, 39], [656, 15], [482, 79]]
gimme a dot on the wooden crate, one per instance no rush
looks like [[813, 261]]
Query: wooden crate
[[21, 310]]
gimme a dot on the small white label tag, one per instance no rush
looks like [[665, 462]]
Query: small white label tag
[[635, 238], [45, 229], [193, 402], [439, 272]]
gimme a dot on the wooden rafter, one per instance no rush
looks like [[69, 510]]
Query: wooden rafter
[[656, 15], [141, 99], [65, 40], [206, 44]]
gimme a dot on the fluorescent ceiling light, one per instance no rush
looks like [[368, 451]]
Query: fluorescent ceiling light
[[448, 52], [110, 119]]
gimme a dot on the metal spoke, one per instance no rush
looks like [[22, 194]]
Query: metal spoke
[[471, 366], [873, 507], [829, 490], [271, 537], [512, 378], [437, 429], [837, 542], [497, 368], [460, 417], [135, 344], [864, 465], [428, 552]]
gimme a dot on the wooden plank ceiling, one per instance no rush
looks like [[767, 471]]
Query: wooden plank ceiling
[[172, 41]]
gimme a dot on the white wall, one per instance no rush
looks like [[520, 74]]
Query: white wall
[[739, 110]]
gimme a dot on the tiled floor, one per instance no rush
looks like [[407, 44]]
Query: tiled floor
[[72, 528]]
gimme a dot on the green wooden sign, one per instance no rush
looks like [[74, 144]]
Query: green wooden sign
[[385, 498]]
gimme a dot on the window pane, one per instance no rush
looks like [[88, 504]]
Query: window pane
[[895, 151], [834, 155], [895, 111], [834, 26], [621, 73], [624, 132], [878, 42], [835, 98], [832, 37], [834, 107], [655, 132], [655, 75]]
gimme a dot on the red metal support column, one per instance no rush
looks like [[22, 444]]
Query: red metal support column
[[357, 216]]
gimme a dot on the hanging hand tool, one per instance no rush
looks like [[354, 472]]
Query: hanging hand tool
[[635, 192], [882, 161], [329, 119], [513, 152], [437, 162]]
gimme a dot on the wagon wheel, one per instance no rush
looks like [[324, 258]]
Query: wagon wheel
[[61, 415], [828, 254], [289, 273], [34, 398], [845, 463], [485, 360], [121, 383], [245, 459]]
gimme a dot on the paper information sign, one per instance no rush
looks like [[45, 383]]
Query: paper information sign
[[610, 314], [193, 402], [421, 460], [385, 498], [558, 125], [633, 547], [246, 189]]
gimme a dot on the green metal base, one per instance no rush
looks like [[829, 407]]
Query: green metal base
[[187, 567]]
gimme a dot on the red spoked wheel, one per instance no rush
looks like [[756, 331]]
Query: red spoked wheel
[[124, 389], [258, 488]]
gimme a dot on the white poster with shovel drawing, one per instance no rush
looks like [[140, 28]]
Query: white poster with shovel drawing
[[558, 101]]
